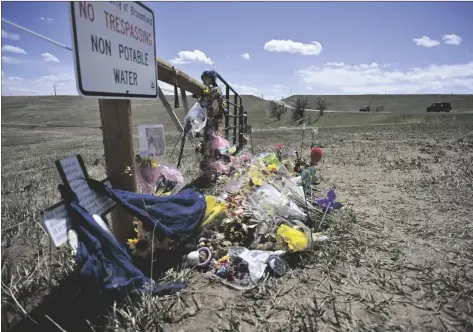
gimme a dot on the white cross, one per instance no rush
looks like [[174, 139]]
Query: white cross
[[73, 174]]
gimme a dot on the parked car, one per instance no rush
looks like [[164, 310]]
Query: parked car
[[365, 108], [439, 107]]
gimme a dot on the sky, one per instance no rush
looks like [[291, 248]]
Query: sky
[[269, 48]]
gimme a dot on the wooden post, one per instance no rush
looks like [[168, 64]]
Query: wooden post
[[171, 113], [184, 101], [117, 133]]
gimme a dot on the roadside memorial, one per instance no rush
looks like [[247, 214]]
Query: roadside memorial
[[256, 219]]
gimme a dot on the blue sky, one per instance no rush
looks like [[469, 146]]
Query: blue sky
[[270, 48]]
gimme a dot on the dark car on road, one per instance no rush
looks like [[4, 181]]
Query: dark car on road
[[439, 107]]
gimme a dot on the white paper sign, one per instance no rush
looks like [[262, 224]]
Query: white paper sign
[[114, 49], [75, 176], [57, 224], [152, 140]]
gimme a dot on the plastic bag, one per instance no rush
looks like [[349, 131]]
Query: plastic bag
[[196, 119], [270, 198]]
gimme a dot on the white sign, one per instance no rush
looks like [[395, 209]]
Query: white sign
[[58, 224], [74, 175], [114, 47], [152, 140]]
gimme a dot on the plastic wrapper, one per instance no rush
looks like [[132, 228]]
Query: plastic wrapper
[[233, 185], [196, 118], [272, 200], [220, 144], [215, 212], [269, 158], [257, 260], [284, 172], [220, 167], [169, 178], [148, 174]]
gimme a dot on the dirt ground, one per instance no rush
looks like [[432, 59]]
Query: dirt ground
[[400, 256]]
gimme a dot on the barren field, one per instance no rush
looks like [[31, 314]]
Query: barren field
[[400, 256]]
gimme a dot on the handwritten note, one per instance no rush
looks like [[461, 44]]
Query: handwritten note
[[57, 224], [75, 176]]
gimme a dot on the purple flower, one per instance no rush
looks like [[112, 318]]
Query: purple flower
[[329, 203]]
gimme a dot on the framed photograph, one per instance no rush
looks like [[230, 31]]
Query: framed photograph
[[152, 140]]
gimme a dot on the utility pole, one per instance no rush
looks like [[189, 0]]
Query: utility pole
[[54, 89]]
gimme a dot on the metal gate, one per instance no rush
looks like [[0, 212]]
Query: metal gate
[[236, 128]]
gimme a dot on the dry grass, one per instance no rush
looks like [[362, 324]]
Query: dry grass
[[400, 258]]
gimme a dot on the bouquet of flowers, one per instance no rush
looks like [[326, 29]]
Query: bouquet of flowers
[[148, 173]]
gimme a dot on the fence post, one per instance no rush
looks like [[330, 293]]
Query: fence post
[[115, 116], [235, 118], [227, 118], [240, 134]]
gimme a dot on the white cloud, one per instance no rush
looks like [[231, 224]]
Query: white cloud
[[48, 57], [8, 35], [12, 60], [13, 49], [43, 85], [49, 19], [426, 42], [243, 89], [245, 56], [290, 46], [371, 78], [452, 39], [185, 57], [335, 64]]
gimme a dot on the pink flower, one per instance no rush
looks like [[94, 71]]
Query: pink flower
[[279, 146]]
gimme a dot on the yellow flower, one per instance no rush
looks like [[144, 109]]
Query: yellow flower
[[272, 168], [132, 243], [154, 164]]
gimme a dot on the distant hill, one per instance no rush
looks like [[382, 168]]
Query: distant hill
[[391, 103], [77, 111]]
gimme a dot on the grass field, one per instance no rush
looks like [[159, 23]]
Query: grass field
[[401, 258]]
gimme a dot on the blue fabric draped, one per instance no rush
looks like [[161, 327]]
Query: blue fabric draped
[[105, 266], [174, 216]]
